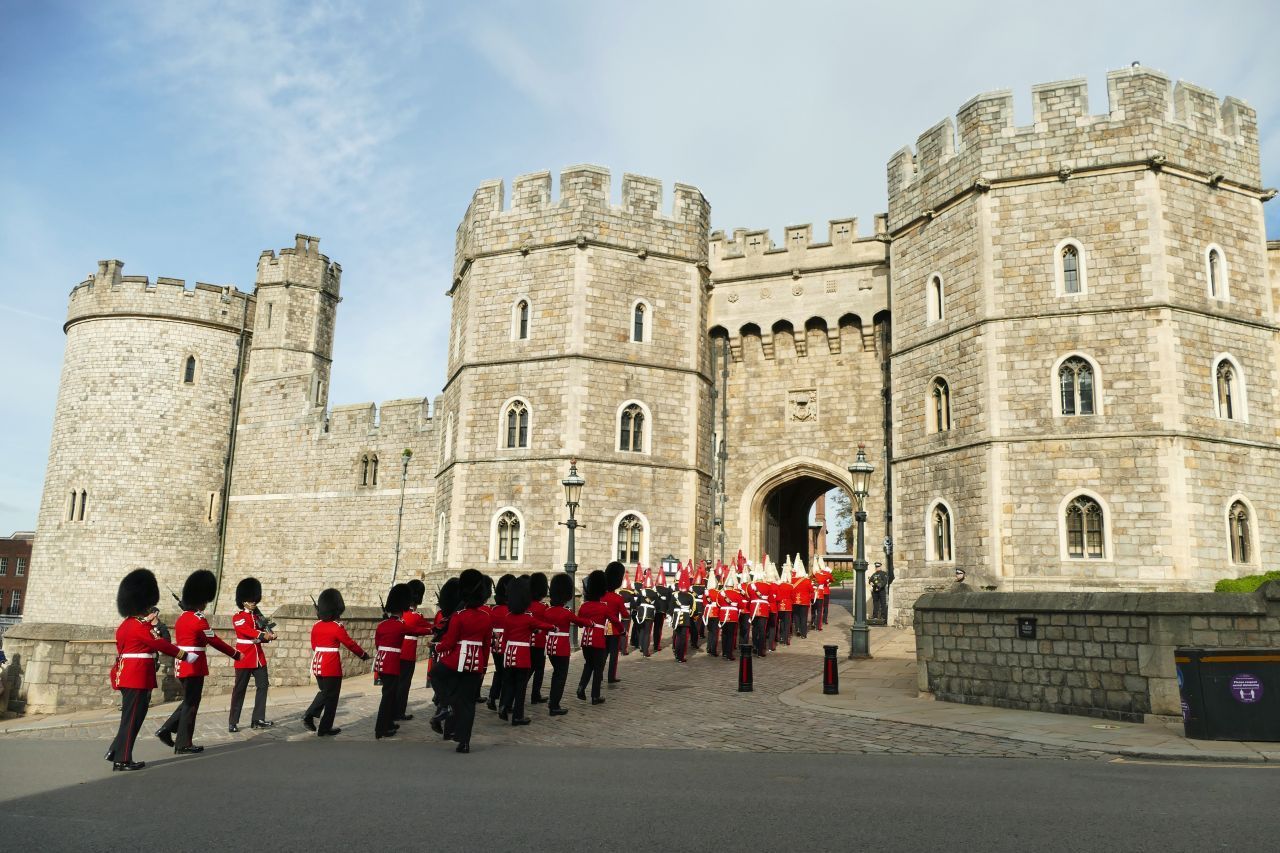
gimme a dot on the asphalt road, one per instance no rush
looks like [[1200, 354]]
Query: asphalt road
[[339, 795]]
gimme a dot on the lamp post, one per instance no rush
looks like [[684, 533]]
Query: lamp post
[[572, 495], [404, 477], [860, 473]]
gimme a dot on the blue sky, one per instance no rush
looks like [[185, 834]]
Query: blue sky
[[186, 137]]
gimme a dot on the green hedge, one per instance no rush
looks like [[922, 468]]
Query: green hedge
[[1248, 583], [841, 575]]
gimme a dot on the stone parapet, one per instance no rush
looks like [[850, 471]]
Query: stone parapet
[[1099, 654], [109, 293]]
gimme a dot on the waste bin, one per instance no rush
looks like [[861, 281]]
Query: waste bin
[[1229, 694]]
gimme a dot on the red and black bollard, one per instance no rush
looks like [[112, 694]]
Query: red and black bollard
[[744, 668], [830, 675]]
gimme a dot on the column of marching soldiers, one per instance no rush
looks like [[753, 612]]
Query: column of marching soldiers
[[521, 623]]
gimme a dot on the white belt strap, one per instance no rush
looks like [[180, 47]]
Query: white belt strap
[[514, 643], [557, 633], [139, 655], [196, 649], [386, 649], [326, 648], [248, 642]]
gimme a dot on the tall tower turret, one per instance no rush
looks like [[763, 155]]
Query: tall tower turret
[[138, 456]]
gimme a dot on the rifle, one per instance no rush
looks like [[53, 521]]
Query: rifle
[[383, 604], [316, 605], [175, 596]]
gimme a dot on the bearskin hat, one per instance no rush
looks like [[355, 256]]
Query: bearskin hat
[[538, 585], [500, 590], [561, 589], [138, 593], [198, 590], [449, 596], [417, 591], [330, 605], [596, 586], [478, 592], [249, 589], [398, 599], [519, 595], [615, 573]]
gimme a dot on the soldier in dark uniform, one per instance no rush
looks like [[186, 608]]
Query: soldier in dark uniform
[[665, 604], [880, 595], [642, 617], [628, 595], [682, 603]]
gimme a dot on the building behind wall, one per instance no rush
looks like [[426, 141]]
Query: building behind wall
[[15, 567], [1120, 257]]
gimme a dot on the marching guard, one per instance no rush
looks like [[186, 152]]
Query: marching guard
[[327, 636], [497, 618], [251, 633], [597, 614], [464, 651], [517, 644], [682, 616], [538, 588], [558, 647], [409, 652], [389, 642], [614, 574]]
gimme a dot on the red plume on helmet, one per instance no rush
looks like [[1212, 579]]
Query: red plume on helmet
[[700, 576], [685, 581]]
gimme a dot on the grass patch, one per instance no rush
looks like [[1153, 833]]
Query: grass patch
[[1248, 583]]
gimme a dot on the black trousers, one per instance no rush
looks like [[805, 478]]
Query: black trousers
[[771, 631], [241, 687], [495, 686], [592, 670], [559, 675], [801, 619], [642, 636], [134, 703], [402, 688], [759, 634], [815, 614], [325, 705], [657, 632], [695, 631], [680, 642], [539, 658], [880, 604], [182, 722], [826, 610], [784, 626], [387, 705], [612, 644], [713, 637], [729, 638], [622, 639], [515, 682], [466, 689]]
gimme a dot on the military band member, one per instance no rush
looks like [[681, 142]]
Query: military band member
[[786, 594], [327, 636], [614, 574], [642, 616], [682, 616], [538, 651], [627, 592], [191, 633], [663, 607], [597, 614], [711, 614], [134, 672], [409, 652], [803, 587], [697, 628], [758, 602], [464, 650], [731, 602], [251, 634]]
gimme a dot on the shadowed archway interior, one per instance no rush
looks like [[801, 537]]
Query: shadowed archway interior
[[786, 516]]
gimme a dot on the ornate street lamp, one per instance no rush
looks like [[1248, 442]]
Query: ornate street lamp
[[404, 478], [860, 475], [572, 495]]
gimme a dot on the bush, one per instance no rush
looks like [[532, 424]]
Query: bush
[[841, 575], [1248, 583]]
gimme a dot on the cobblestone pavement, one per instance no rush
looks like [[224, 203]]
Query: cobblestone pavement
[[660, 704]]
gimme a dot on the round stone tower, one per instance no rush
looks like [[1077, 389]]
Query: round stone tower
[[141, 434]]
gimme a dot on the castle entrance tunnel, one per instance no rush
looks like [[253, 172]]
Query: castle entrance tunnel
[[788, 510]]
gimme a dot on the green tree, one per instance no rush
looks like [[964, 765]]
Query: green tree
[[839, 521]]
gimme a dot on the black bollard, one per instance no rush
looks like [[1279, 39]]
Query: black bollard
[[830, 676], [744, 668]]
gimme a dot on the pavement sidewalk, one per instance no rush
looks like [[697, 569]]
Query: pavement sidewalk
[[885, 688]]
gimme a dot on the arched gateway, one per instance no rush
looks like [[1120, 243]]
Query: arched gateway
[[774, 512]]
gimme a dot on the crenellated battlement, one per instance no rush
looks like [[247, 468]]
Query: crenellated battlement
[[753, 252], [108, 292], [394, 418], [303, 265], [1150, 119], [583, 212]]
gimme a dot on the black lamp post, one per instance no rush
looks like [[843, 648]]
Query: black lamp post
[[860, 473], [572, 495], [404, 478]]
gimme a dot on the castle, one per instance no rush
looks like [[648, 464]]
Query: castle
[[1059, 345]]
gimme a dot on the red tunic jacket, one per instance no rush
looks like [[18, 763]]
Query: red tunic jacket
[[325, 637], [137, 645], [388, 637], [465, 645], [731, 604], [759, 603], [711, 605], [249, 640], [597, 614], [537, 609], [560, 619], [804, 591], [497, 621], [786, 596], [618, 612], [412, 619], [191, 632], [517, 639]]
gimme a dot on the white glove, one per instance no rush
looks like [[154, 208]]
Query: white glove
[[191, 657]]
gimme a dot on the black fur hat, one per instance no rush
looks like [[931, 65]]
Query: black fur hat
[[478, 592], [398, 599], [615, 573], [449, 596], [561, 589], [418, 591], [199, 590], [249, 589], [596, 586], [138, 593], [330, 605], [519, 595], [469, 578], [538, 585], [500, 590]]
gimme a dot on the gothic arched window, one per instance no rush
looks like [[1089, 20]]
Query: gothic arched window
[[1238, 525], [637, 322], [1070, 269], [940, 533], [1076, 385], [517, 424], [1085, 529], [631, 429], [630, 539], [940, 405], [364, 470], [1227, 396], [936, 298], [509, 537], [189, 373], [522, 320]]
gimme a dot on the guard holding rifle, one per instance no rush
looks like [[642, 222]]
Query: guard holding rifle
[[252, 631]]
